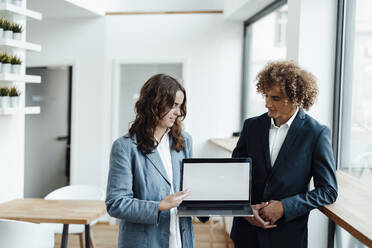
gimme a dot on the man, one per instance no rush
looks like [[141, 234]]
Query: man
[[288, 148]]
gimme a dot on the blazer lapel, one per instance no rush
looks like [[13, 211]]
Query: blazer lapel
[[175, 166], [154, 157], [266, 129], [289, 140]]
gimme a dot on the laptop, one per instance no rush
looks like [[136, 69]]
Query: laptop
[[219, 187]]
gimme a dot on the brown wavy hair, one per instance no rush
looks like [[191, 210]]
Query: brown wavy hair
[[157, 97], [299, 85]]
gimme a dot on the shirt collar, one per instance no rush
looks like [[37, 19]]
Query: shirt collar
[[288, 123], [165, 136]]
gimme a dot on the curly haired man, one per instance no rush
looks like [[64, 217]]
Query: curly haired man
[[288, 148]]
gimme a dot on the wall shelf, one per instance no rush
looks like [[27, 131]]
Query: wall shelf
[[25, 110], [10, 9], [10, 43], [8, 77]]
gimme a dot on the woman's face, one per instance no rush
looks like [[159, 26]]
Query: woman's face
[[168, 120]]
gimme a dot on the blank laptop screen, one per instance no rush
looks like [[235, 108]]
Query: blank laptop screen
[[216, 181]]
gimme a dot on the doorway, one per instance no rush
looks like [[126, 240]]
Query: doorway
[[48, 135], [131, 77]]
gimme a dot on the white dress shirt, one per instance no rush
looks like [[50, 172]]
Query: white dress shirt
[[165, 156], [277, 136]]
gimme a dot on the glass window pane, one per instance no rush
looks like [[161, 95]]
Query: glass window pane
[[356, 137], [265, 41]]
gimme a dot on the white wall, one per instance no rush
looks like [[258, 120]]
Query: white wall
[[80, 42], [211, 48]]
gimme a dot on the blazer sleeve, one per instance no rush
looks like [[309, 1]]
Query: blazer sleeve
[[325, 182], [240, 151], [120, 202]]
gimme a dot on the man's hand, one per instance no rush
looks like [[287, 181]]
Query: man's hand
[[256, 220], [272, 212]]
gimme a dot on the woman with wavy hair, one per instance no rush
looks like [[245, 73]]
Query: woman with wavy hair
[[145, 165]]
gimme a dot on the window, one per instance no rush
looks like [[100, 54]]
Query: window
[[352, 136], [264, 41], [356, 89]]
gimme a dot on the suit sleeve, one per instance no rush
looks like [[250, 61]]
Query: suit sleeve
[[120, 202], [325, 183], [240, 150]]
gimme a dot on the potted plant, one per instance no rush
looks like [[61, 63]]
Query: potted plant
[[8, 33], [17, 31], [1, 27], [4, 97], [16, 64], [14, 94], [5, 61], [1, 63]]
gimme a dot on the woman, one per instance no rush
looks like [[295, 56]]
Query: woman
[[144, 178]]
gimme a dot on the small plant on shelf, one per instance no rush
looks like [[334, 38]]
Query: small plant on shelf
[[4, 97], [17, 31], [16, 64], [14, 94], [5, 63], [14, 60], [7, 26]]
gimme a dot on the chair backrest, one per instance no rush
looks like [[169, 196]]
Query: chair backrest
[[15, 234], [77, 192]]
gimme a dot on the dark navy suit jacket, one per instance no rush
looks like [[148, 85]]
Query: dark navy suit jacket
[[306, 153]]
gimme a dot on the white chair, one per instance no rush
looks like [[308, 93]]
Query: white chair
[[15, 234], [76, 192]]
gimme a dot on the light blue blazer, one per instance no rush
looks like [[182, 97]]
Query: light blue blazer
[[136, 185]]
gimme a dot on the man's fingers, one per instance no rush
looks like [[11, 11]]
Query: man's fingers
[[269, 226], [262, 205]]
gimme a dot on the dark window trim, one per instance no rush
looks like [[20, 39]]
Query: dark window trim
[[337, 99], [247, 40]]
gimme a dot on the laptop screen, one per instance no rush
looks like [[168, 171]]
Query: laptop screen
[[217, 181]]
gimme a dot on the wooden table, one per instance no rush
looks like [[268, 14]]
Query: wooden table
[[353, 208], [55, 211]]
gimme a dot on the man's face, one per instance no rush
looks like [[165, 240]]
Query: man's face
[[279, 107]]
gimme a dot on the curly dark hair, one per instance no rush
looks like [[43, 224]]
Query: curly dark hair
[[299, 85], [157, 97]]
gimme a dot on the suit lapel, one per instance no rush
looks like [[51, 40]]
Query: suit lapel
[[154, 157], [266, 128], [289, 140], [176, 170]]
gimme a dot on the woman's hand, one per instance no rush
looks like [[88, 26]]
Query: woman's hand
[[172, 201]]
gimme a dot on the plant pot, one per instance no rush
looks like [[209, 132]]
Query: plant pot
[[6, 68], [16, 69], [4, 101], [14, 101], [1, 32], [1, 67], [17, 36], [8, 34]]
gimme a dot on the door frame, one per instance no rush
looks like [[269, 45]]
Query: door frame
[[115, 89], [74, 110]]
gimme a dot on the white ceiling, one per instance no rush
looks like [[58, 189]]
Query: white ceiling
[[94, 8]]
